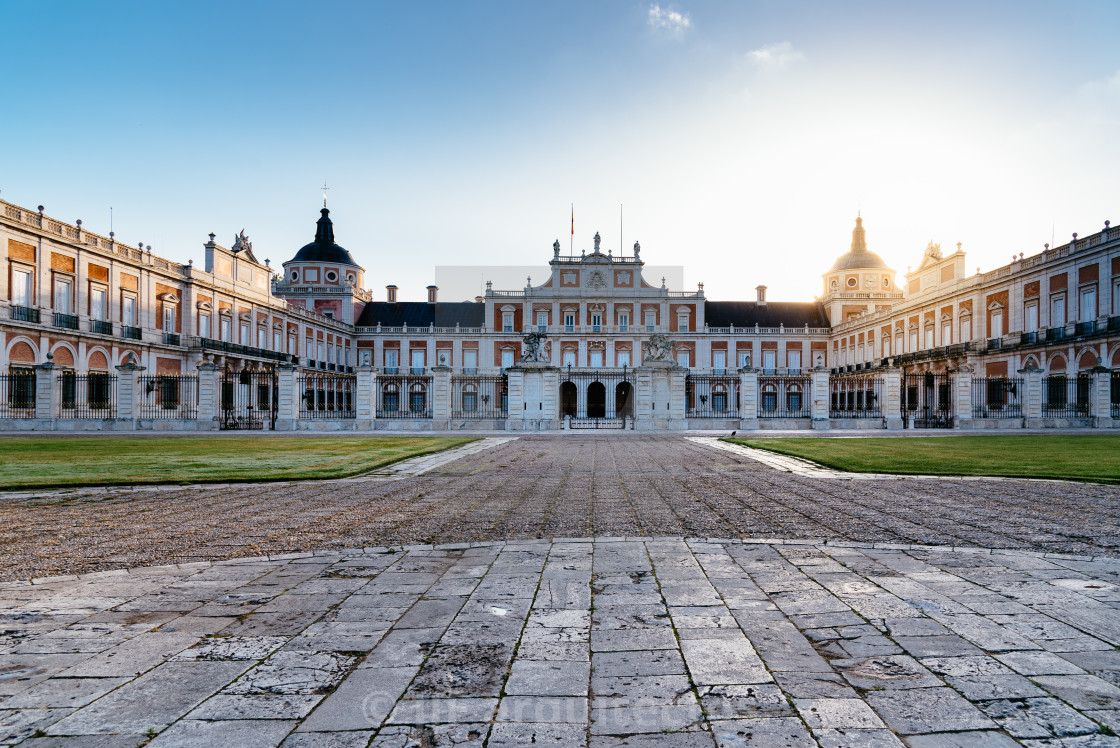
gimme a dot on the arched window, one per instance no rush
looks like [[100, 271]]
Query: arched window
[[417, 398], [793, 397], [719, 397], [390, 398], [769, 397], [470, 398]]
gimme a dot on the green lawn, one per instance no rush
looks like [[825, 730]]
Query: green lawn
[[1087, 457], [100, 461]]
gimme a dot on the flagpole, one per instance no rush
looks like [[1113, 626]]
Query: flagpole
[[572, 238]]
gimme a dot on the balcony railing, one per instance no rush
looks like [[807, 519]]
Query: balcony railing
[[66, 321], [100, 327], [24, 314], [131, 333], [171, 338], [246, 350]]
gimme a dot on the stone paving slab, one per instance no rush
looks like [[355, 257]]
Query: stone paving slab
[[581, 642]]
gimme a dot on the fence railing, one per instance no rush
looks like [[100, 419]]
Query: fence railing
[[997, 397], [711, 396], [1114, 394], [17, 394], [168, 397], [1067, 396], [327, 396], [23, 313], [404, 396], [477, 397], [91, 395], [783, 397], [855, 397]]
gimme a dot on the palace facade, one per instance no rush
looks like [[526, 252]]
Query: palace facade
[[95, 334]]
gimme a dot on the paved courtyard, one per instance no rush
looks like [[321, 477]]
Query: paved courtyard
[[778, 605], [546, 487]]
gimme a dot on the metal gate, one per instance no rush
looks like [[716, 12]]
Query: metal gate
[[927, 401], [249, 400], [596, 398]]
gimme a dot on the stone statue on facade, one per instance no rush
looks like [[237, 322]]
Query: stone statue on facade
[[597, 240], [533, 351], [241, 243], [658, 348]]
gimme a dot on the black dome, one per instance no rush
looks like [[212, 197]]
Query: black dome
[[323, 249]]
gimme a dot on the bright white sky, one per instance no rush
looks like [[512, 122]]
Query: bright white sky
[[742, 137]]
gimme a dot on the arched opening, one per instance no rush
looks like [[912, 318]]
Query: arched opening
[[596, 400], [623, 402], [568, 399], [1087, 361]]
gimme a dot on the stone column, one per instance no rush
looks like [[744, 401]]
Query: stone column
[[48, 393], [748, 398], [441, 398], [892, 397], [287, 397], [209, 396], [534, 397], [1102, 397], [128, 394], [962, 395], [1032, 396], [660, 396], [365, 397], [678, 378], [818, 398]]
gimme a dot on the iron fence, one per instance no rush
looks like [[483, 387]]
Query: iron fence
[[17, 394], [90, 395], [168, 397], [855, 397], [249, 400], [404, 396], [927, 401], [476, 397], [783, 397], [711, 396], [593, 394], [1114, 393], [1067, 396], [997, 397], [327, 396]]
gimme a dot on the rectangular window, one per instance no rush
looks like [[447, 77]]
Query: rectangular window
[[596, 323], [769, 361], [470, 360], [392, 360], [623, 322], [1088, 303], [62, 295], [719, 361], [225, 327], [507, 321], [623, 358], [245, 338], [997, 325], [97, 298], [682, 358], [946, 333], [1030, 316], [966, 329], [794, 361], [277, 341], [203, 325], [569, 358], [651, 321], [682, 322], [320, 351], [914, 340], [569, 322], [596, 359], [169, 319], [262, 338], [1116, 298], [21, 288], [542, 321], [1058, 310], [419, 355], [128, 310], [929, 337], [507, 358]]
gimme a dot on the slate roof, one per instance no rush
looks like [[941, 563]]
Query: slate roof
[[422, 314], [771, 314]]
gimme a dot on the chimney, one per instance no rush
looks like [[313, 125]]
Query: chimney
[[432, 294], [761, 295], [391, 294], [478, 299]]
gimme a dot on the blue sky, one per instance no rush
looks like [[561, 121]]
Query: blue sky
[[742, 137]]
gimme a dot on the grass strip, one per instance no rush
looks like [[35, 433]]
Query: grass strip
[[52, 462], [1092, 458]]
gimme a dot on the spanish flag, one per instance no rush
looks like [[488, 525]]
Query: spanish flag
[[573, 219]]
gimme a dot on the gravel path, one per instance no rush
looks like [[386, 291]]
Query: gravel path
[[549, 487]]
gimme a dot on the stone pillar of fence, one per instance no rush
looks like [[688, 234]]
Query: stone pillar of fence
[[818, 398], [128, 393], [1102, 396], [748, 399], [660, 401], [1031, 397], [441, 398], [365, 397], [287, 397], [209, 396], [533, 402], [48, 392], [962, 395], [892, 397]]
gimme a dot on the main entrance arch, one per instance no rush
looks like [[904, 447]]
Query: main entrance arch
[[595, 397]]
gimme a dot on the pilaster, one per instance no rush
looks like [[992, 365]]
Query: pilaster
[[1102, 397], [209, 396], [365, 397], [962, 395], [287, 397], [441, 397], [748, 398], [1032, 393], [47, 390], [128, 393]]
